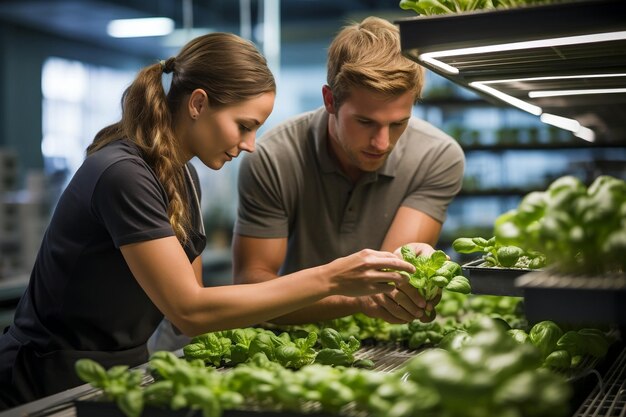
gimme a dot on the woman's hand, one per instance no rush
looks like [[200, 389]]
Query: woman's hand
[[366, 272]]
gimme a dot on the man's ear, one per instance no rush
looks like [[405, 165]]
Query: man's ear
[[198, 101], [329, 100]]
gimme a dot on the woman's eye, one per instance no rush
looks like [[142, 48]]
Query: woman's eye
[[244, 128]]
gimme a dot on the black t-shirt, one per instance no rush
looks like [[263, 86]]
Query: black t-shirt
[[82, 295]]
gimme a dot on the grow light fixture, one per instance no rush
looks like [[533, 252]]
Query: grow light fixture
[[513, 101], [557, 93], [134, 28], [568, 124], [432, 57]]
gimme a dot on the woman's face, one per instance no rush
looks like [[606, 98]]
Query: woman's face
[[217, 135]]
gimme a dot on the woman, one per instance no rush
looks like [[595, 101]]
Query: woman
[[123, 247]]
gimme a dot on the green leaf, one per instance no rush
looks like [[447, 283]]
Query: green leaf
[[459, 284], [545, 336], [507, 256], [333, 357], [131, 403], [90, 371], [466, 245], [330, 338], [559, 359]]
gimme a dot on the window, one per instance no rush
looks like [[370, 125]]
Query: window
[[78, 100]]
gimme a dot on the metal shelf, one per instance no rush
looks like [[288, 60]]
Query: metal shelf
[[608, 398], [516, 70]]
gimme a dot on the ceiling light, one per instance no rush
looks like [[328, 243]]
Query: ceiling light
[[430, 57], [513, 101], [586, 134], [559, 121], [555, 93], [133, 28]]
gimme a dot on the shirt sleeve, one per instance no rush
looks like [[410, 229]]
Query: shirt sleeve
[[261, 211], [131, 203], [441, 183]]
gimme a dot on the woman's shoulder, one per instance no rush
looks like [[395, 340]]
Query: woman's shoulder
[[114, 153]]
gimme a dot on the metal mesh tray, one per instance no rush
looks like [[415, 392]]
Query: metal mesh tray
[[608, 397]]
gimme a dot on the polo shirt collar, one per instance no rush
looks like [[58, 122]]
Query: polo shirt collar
[[319, 131]]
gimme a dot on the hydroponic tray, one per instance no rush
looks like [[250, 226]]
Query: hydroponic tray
[[493, 280], [110, 409], [574, 299]]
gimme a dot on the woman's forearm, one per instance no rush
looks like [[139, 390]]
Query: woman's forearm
[[231, 306]]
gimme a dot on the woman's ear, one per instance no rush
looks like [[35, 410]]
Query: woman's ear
[[198, 101], [329, 100]]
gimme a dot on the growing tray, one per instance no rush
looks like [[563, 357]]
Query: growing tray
[[493, 280], [574, 299], [110, 409]]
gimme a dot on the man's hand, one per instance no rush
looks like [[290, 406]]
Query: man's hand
[[402, 305], [419, 248]]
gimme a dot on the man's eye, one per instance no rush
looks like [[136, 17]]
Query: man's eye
[[244, 128], [365, 122]]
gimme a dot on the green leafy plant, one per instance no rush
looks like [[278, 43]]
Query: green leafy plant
[[484, 372], [499, 255], [117, 383], [434, 7], [434, 273], [580, 230], [335, 351]]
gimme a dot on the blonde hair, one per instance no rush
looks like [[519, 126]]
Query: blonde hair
[[368, 55], [229, 68]]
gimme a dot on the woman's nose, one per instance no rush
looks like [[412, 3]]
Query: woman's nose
[[248, 144]]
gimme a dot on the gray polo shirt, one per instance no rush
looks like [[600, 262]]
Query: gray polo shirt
[[291, 187]]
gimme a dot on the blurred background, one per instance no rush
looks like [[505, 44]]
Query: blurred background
[[63, 70]]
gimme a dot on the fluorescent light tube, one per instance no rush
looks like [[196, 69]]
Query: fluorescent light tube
[[427, 57], [559, 121], [513, 101], [134, 28], [586, 134], [555, 93]]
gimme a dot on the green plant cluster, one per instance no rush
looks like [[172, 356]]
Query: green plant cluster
[[484, 372], [561, 350], [356, 325], [580, 230], [435, 7], [434, 273], [457, 313], [496, 254], [232, 347]]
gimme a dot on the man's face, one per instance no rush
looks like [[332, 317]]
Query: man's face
[[365, 128]]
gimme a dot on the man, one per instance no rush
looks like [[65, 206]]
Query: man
[[359, 172]]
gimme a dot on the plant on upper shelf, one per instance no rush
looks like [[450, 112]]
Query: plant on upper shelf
[[433, 7], [580, 230], [498, 255]]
